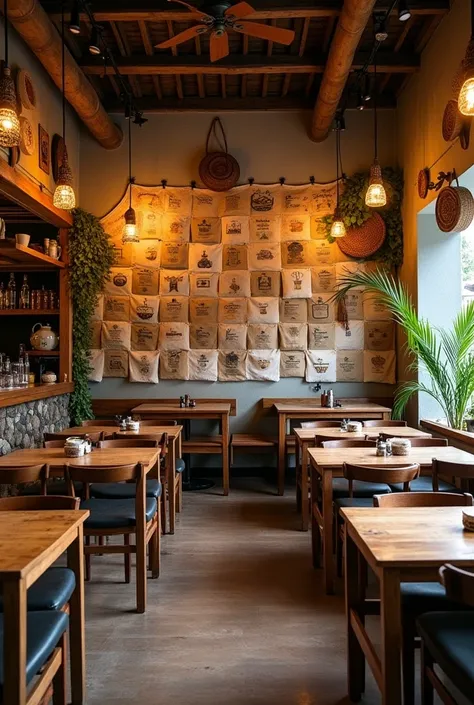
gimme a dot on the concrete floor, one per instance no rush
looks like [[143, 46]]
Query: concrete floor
[[238, 615]]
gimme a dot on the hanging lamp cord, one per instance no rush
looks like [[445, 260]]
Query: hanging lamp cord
[[63, 72], [375, 105], [338, 151], [5, 29], [130, 158]]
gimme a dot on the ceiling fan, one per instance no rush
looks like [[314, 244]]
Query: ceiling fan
[[220, 17]]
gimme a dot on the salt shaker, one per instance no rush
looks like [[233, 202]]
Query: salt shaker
[[381, 449]]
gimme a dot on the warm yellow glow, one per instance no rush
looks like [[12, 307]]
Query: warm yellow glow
[[64, 197], [338, 229], [466, 97], [375, 196], [9, 128], [130, 233]]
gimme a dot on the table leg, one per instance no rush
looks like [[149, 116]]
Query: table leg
[[14, 638], [77, 641], [281, 452], [304, 487], [355, 655], [298, 472], [327, 511], [225, 452], [391, 620], [171, 480], [315, 530]]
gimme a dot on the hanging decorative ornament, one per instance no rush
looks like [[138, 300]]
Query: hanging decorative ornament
[[9, 122], [376, 196], [452, 121], [454, 209], [423, 182], [64, 196], [130, 233], [338, 229]]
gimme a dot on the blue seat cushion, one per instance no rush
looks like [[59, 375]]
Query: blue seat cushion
[[346, 502], [54, 487], [51, 591], [449, 637], [115, 513], [44, 629], [123, 490], [340, 488], [425, 484], [426, 597], [180, 465]]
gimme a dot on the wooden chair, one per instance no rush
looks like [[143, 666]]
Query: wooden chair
[[141, 442], [461, 474], [320, 424], [32, 503], [139, 516], [94, 437], [380, 422], [22, 476], [447, 640], [418, 597], [55, 444], [428, 442], [354, 443]]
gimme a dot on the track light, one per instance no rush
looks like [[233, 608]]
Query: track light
[[381, 33], [404, 13], [360, 102], [75, 21], [366, 90], [94, 47], [128, 110]]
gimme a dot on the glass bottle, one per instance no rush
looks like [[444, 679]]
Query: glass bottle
[[26, 363], [25, 293], [2, 296], [11, 291], [21, 373], [43, 298]]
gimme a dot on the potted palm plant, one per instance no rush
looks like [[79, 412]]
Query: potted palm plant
[[446, 355]]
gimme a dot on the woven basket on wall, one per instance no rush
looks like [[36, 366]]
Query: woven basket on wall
[[454, 209], [365, 240], [219, 171], [452, 121]]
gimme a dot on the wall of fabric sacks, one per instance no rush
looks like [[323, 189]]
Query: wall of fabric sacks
[[234, 286]]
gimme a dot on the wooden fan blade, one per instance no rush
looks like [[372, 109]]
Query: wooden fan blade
[[191, 7], [265, 31], [218, 46], [242, 9], [183, 36]]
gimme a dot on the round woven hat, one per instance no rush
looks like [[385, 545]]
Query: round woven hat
[[452, 121], [365, 240], [423, 182], [219, 171], [454, 209]]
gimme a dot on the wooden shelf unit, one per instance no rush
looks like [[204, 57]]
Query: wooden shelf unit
[[14, 256], [43, 353], [29, 312]]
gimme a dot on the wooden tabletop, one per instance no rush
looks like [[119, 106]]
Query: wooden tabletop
[[348, 408], [308, 434], [157, 430], [55, 457], [27, 537], [174, 410], [412, 536], [335, 457]]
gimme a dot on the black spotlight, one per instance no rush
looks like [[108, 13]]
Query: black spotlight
[[94, 47], [366, 90], [404, 13], [75, 20], [360, 102]]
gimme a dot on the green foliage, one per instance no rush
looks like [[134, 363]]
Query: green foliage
[[354, 213], [91, 256], [445, 356]]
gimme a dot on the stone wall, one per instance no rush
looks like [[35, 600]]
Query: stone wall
[[23, 425]]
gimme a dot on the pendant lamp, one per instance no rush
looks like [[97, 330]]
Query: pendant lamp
[[375, 196], [130, 233], [64, 196], [466, 94], [338, 229], [9, 122]]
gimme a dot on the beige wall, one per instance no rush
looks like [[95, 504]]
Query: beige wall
[[48, 112]]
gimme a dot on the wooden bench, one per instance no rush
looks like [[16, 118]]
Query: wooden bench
[[202, 444], [250, 442]]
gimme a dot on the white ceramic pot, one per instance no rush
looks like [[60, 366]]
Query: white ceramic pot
[[49, 378], [43, 337]]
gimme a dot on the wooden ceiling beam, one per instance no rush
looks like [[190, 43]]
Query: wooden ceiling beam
[[174, 52], [304, 36], [242, 65]]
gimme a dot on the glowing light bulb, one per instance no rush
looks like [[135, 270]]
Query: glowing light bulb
[[338, 229], [64, 197], [466, 97], [375, 196], [9, 128], [130, 230]]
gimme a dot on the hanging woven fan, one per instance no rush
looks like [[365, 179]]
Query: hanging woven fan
[[220, 17]]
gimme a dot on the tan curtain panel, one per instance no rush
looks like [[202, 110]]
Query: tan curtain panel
[[206, 230], [203, 284], [321, 336], [203, 337], [173, 336], [232, 310], [264, 257], [232, 365], [119, 282], [145, 281], [293, 336], [263, 365], [265, 228], [235, 230], [144, 309], [349, 365], [321, 309], [263, 310], [206, 203], [236, 201], [323, 279], [350, 336], [205, 258], [379, 335], [203, 310], [292, 363], [143, 367], [96, 361], [320, 365], [174, 255], [147, 253], [379, 366], [293, 311], [232, 336], [265, 283], [117, 308], [265, 199], [203, 365], [296, 283]]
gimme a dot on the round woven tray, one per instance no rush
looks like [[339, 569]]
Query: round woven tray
[[454, 209], [452, 121], [219, 171], [364, 241]]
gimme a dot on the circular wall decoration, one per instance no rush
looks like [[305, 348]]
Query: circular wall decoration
[[364, 240], [27, 136], [454, 209], [423, 182], [452, 121], [219, 171], [26, 90]]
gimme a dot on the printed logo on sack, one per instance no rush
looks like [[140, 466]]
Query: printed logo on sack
[[262, 201]]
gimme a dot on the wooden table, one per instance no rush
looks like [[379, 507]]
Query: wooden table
[[313, 411], [56, 459], [174, 452], [327, 463], [399, 545], [305, 439], [30, 542], [209, 411]]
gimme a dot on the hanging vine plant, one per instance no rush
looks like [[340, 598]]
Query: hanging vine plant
[[91, 256], [355, 213]]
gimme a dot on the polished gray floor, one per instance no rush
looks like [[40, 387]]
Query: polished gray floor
[[238, 615]]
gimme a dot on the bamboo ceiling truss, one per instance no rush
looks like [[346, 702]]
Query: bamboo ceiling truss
[[257, 74]]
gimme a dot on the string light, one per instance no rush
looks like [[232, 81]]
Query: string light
[[130, 233]]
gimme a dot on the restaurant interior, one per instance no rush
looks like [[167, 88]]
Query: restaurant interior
[[236, 352]]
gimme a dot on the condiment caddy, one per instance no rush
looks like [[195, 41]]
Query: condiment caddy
[[328, 401], [185, 402]]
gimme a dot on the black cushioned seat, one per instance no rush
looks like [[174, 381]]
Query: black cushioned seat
[[449, 637], [342, 502], [340, 488], [44, 629], [51, 591], [180, 465], [426, 597], [54, 487], [123, 490], [115, 513], [425, 484]]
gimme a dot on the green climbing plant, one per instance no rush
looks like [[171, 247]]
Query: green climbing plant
[[91, 256], [354, 213]]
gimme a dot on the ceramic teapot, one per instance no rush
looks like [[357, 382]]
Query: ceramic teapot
[[43, 337]]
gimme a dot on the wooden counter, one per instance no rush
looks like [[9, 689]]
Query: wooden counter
[[11, 397]]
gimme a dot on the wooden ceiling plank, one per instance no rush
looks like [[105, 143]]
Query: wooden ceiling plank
[[121, 40], [404, 34], [199, 76], [383, 83], [157, 87], [304, 36], [286, 85], [174, 52], [265, 85], [145, 38], [245, 51]]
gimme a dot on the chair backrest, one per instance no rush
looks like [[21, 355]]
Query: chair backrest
[[427, 442], [380, 422], [55, 444], [130, 443], [349, 443], [446, 468], [158, 422], [100, 422], [372, 473], [95, 437], [21, 475], [459, 584], [374, 433], [423, 499], [320, 438], [101, 473], [320, 424], [34, 503]]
